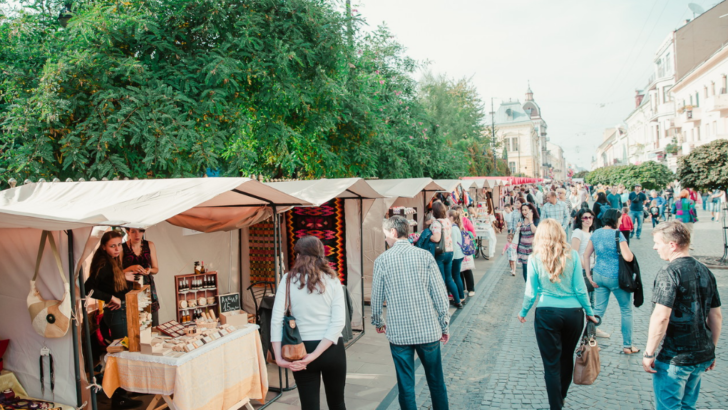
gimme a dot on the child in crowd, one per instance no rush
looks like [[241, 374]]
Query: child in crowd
[[625, 223], [508, 216], [510, 249], [654, 212]]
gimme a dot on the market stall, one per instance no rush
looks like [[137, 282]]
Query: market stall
[[405, 197], [336, 217], [200, 204]]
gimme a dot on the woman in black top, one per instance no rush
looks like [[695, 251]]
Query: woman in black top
[[601, 200], [108, 282]]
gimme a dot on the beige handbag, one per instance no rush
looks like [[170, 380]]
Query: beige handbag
[[587, 365], [50, 318]]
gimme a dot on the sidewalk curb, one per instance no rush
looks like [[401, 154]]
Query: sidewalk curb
[[484, 288]]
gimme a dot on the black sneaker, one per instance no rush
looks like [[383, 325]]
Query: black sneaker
[[125, 403]]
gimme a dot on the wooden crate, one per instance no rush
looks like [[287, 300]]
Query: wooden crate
[[133, 323]]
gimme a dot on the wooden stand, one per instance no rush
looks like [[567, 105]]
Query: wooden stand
[[133, 323], [192, 294]]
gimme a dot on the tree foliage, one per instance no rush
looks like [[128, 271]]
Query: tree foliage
[[650, 174], [175, 88], [706, 167]]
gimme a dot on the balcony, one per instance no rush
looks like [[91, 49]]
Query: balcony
[[667, 109], [689, 114], [718, 103]]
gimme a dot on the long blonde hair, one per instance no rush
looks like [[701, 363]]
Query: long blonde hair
[[550, 243], [457, 216]]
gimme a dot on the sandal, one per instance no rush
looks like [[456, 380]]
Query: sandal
[[630, 350]]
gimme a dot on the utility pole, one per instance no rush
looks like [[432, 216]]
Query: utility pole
[[492, 133]]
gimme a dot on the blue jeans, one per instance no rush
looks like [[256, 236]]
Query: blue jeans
[[444, 262], [705, 202], [637, 217], [457, 277], [611, 285], [116, 321], [677, 387], [404, 364]]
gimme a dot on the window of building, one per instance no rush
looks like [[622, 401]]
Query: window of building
[[691, 99], [725, 85], [512, 166], [697, 99], [668, 63], [712, 88], [697, 134], [705, 91], [666, 96]]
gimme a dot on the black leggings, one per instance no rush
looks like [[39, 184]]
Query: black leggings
[[468, 280], [331, 366], [557, 334]]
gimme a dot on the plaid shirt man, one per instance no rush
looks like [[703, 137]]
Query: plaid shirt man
[[558, 211], [408, 279]]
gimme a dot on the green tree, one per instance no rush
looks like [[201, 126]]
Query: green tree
[[706, 167]]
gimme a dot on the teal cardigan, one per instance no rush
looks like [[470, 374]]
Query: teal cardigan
[[568, 292]]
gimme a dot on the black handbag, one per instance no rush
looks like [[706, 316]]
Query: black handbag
[[587, 282], [292, 347], [628, 271]]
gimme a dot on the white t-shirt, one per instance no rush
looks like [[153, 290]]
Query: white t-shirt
[[583, 238]]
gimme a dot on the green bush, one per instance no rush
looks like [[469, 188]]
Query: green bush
[[650, 174]]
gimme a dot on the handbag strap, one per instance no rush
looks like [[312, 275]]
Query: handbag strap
[[616, 239], [56, 255], [288, 294]]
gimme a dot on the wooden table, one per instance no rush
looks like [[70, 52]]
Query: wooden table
[[221, 375]]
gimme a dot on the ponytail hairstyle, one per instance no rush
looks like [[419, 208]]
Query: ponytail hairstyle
[[311, 264], [101, 259], [457, 216]]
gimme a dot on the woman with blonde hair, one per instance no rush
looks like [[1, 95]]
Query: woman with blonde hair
[[555, 277], [458, 255]]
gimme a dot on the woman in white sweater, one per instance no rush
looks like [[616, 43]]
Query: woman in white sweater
[[317, 303]]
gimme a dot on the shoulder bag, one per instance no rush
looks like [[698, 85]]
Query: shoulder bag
[[50, 318], [628, 271], [587, 364], [468, 243], [440, 247], [292, 347]]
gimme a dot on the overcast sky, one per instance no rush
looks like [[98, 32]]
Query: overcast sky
[[578, 54]]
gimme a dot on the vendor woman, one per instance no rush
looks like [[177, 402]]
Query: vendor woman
[[140, 258], [108, 282]]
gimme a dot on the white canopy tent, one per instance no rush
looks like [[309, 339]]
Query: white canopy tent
[[359, 197], [202, 204], [411, 193]]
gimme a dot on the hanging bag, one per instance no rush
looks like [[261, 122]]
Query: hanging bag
[[587, 364], [468, 243], [628, 271], [50, 318], [292, 347], [440, 247]]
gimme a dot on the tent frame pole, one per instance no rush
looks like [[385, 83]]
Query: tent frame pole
[[277, 246], [74, 325], [361, 269], [86, 330]]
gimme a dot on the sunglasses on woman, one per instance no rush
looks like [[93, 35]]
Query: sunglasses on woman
[[586, 218]]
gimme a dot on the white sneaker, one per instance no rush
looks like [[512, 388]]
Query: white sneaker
[[601, 333], [471, 293]]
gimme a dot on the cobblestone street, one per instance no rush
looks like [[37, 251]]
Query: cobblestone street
[[493, 361]]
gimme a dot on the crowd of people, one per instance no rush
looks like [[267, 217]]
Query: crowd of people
[[568, 241]]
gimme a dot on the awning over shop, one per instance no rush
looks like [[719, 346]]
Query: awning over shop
[[203, 204], [404, 188]]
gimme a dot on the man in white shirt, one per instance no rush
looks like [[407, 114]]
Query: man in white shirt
[[408, 279]]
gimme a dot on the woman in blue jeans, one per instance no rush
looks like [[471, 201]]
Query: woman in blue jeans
[[458, 255], [605, 275], [441, 229]]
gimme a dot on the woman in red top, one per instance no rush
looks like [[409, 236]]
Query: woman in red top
[[625, 223]]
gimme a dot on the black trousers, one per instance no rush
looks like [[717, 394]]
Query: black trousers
[[331, 366], [557, 332], [468, 280]]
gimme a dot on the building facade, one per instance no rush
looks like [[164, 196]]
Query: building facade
[[523, 132], [670, 120]]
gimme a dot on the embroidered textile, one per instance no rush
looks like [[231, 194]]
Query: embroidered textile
[[262, 252], [327, 223]]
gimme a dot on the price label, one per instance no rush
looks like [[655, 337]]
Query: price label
[[229, 302]]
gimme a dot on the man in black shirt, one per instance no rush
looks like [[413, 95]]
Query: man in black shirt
[[687, 314]]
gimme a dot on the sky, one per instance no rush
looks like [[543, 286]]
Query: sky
[[583, 58]]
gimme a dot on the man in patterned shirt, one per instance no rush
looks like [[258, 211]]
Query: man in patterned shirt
[[557, 210], [686, 319], [408, 280]]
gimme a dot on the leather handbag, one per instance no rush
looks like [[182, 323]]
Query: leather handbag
[[440, 247], [628, 271], [587, 364], [292, 347], [50, 318]]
